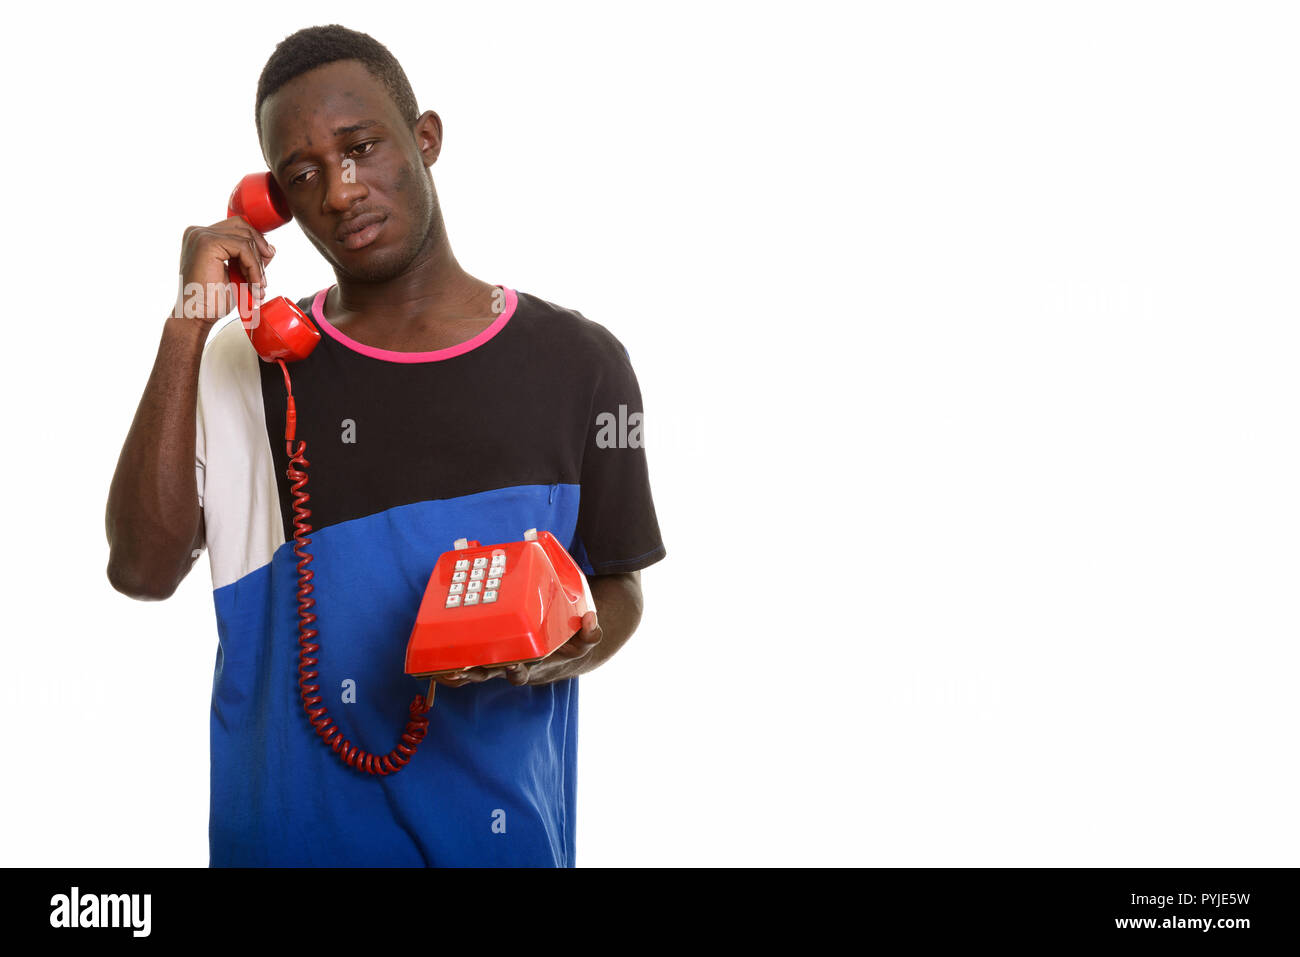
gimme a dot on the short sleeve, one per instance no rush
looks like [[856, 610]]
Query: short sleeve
[[618, 530]]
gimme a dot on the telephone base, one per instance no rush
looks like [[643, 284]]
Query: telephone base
[[491, 606]]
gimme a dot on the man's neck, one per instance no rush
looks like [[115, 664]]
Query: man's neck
[[436, 290], [433, 305]]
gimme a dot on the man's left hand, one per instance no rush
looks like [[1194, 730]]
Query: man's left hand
[[579, 646]]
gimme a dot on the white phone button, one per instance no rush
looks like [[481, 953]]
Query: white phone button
[[475, 586], [456, 589], [471, 598], [459, 576], [453, 601], [498, 560], [489, 595], [462, 564], [494, 583], [480, 562]]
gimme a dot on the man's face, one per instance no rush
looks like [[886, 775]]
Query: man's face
[[338, 147]]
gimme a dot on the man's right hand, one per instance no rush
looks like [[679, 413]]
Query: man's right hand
[[204, 253]]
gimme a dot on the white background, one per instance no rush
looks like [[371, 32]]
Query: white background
[[967, 338]]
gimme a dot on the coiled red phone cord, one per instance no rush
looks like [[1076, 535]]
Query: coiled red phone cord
[[350, 754]]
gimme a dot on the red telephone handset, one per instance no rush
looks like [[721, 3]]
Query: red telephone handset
[[278, 328], [494, 605]]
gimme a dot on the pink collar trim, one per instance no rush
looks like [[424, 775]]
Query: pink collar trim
[[317, 311]]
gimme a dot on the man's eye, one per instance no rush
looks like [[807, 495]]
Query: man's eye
[[300, 178], [369, 145]]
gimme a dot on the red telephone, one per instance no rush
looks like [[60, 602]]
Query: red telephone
[[496, 605], [540, 594], [278, 328]]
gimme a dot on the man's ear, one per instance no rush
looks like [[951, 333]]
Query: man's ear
[[428, 136]]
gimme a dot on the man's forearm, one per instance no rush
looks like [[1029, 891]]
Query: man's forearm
[[152, 519], [618, 612]]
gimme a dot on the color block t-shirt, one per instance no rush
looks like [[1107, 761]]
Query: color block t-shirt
[[533, 423]]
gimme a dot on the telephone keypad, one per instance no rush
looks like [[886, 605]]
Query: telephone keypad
[[476, 580]]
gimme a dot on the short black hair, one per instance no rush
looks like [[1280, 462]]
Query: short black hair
[[311, 47]]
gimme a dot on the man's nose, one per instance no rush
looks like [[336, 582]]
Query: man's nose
[[343, 189]]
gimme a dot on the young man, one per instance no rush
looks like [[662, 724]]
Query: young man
[[436, 406]]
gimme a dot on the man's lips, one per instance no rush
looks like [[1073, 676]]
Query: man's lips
[[356, 225], [361, 232]]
